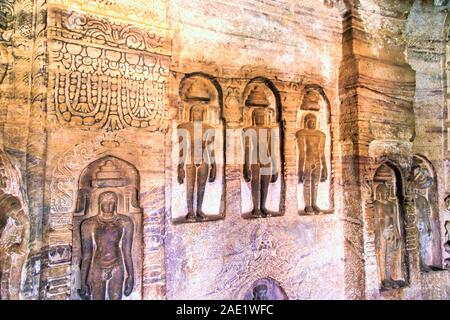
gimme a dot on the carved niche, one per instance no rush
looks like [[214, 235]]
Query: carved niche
[[106, 75], [265, 289], [262, 181], [389, 227], [314, 191], [198, 181], [14, 231], [107, 232], [427, 214]]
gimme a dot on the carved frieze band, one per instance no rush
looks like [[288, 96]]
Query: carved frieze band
[[106, 75]]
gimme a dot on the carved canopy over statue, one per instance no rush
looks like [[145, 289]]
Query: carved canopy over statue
[[198, 156], [389, 228], [262, 184], [107, 232]]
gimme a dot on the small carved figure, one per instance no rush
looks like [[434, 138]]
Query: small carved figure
[[106, 243], [260, 292], [201, 166], [312, 166], [260, 164], [389, 239], [13, 231]]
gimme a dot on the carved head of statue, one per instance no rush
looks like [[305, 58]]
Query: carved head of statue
[[381, 193], [196, 114], [259, 117], [310, 121], [9, 207], [422, 177], [108, 203], [260, 292]]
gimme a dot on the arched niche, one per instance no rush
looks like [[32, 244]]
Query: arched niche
[[198, 191], [389, 225], [262, 127], [427, 213], [92, 233], [265, 289], [14, 230], [315, 189]]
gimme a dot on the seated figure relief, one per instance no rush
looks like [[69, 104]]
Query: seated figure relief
[[389, 239], [265, 289], [106, 244]]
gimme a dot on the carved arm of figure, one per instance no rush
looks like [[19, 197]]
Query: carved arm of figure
[[324, 173], [86, 258], [182, 160], [426, 216], [397, 229], [126, 248], [247, 173], [273, 159], [301, 159], [211, 158]]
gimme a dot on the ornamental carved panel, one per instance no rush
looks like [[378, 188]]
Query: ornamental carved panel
[[106, 75]]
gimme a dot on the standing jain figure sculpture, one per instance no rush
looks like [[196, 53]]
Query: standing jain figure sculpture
[[260, 164], [106, 243], [312, 166], [197, 142], [389, 239], [422, 182]]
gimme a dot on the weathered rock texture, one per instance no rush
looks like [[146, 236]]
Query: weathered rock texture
[[92, 96]]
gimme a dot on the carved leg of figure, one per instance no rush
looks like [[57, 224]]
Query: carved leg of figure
[[389, 262], [314, 187], [265, 181], [97, 284], [307, 190], [202, 176], [190, 186], [256, 185], [115, 284]]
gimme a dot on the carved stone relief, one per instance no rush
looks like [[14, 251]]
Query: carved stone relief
[[265, 289], [107, 232], [198, 155], [262, 182], [14, 231], [106, 75], [389, 228], [427, 218], [447, 244], [314, 154]]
